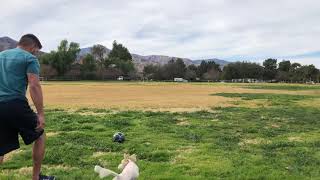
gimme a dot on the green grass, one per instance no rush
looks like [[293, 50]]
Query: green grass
[[288, 87], [277, 142], [274, 99]]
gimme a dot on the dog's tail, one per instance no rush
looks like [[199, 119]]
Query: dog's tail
[[104, 172]]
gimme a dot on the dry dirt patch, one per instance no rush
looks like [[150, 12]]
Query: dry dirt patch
[[255, 141], [173, 97]]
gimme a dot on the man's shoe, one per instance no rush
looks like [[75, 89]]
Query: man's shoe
[[43, 177]]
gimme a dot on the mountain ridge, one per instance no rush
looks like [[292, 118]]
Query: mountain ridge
[[7, 43], [139, 60]]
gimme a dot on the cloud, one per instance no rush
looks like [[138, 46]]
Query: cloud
[[226, 29]]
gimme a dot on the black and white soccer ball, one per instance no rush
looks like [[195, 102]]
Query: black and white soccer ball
[[118, 137]]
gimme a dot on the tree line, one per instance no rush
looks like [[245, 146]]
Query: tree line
[[270, 71], [64, 63], [99, 64]]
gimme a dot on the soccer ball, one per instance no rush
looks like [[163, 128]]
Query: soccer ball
[[118, 137]]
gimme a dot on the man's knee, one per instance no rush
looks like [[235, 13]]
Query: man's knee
[[42, 138]]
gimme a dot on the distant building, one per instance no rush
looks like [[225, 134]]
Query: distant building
[[120, 78], [179, 80]]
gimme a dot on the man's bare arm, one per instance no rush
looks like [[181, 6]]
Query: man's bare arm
[[37, 97]]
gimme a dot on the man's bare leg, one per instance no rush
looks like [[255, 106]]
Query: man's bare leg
[[1, 159], [38, 155]]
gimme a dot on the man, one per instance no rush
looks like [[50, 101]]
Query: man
[[18, 69]]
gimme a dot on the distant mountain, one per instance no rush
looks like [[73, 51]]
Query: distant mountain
[[142, 61], [154, 59], [157, 59], [7, 43], [139, 60], [84, 51]]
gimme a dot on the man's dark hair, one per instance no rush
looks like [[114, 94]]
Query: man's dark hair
[[29, 40]]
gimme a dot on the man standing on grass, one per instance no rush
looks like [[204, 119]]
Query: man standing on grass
[[18, 69]]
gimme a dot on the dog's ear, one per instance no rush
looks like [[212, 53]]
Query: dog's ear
[[133, 158], [126, 156]]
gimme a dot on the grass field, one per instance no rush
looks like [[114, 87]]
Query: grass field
[[179, 131]]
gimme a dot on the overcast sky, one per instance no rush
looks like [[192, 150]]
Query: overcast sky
[[227, 29]]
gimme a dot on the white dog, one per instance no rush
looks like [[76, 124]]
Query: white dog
[[130, 170]]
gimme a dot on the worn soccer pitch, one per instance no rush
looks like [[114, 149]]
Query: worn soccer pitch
[[179, 131]]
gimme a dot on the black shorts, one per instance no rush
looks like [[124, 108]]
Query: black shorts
[[16, 117]]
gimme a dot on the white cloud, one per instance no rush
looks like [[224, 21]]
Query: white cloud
[[186, 28]]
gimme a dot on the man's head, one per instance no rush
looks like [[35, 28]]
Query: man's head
[[30, 43]]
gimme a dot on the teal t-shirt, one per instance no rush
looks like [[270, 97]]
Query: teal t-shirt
[[14, 66]]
